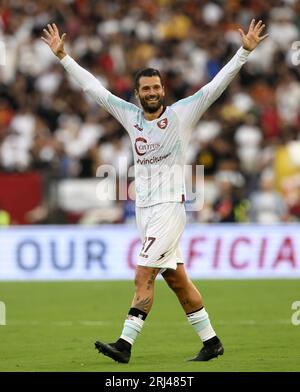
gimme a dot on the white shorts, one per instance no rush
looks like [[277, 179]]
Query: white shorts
[[160, 228]]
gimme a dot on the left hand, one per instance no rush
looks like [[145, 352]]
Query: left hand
[[253, 38], [53, 39]]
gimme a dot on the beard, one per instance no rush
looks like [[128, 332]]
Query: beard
[[151, 106]]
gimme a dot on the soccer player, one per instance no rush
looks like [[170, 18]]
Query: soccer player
[[159, 137]]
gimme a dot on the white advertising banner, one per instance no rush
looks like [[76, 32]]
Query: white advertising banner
[[110, 252]]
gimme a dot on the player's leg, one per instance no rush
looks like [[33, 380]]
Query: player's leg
[[144, 288], [186, 292], [142, 302], [160, 227], [191, 301]]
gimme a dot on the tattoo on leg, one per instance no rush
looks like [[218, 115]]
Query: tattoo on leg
[[143, 304], [185, 301]]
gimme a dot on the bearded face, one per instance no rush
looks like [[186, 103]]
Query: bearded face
[[151, 93]]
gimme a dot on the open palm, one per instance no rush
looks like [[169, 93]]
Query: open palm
[[253, 37], [55, 42]]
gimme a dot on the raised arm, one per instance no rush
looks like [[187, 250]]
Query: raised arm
[[191, 109], [86, 80], [250, 41], [117, 107]]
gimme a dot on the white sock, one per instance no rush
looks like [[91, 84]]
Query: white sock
[[201, 324], [132, 327]]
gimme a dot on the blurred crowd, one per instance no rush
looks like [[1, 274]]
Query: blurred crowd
[[248, 141]]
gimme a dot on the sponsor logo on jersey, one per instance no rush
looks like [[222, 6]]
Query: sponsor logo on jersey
[[153, 160], [162, 124], [142, 146]]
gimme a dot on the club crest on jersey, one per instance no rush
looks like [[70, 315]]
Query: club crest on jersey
[[162, 124]]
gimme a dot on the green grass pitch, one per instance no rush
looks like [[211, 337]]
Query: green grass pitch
[[52, 326]]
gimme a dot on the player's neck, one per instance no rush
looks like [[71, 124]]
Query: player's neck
[[153, 116]]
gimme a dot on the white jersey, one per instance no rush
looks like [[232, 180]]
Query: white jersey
[[159, 146]]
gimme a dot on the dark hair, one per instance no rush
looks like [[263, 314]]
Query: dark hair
[[146, 72]]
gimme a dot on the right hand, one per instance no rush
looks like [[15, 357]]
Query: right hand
[[55, 42]]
